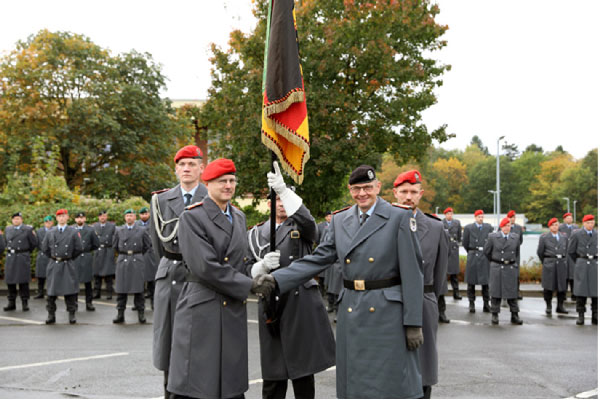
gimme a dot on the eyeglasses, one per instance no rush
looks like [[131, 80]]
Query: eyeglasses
[[368, 189], [225, 181]]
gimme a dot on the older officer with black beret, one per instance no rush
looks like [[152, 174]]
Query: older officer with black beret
[[41, 262], [475, 237], [296, 340], [104, 258], [20, 242], [381, 305], [583, 250], [454, 230], [552, 251], [85, 261], [502, 251]]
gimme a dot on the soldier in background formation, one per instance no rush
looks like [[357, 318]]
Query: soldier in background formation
[[131, 242], [104, 260], [41, 262], [475, 236], [502, 251], [166, 207], [62, 245], [84, 263], [583, 251], [150, 259], [296, 340], [552, 251], [518, 230], [20, 242], [568, 227], [434, 249], [454, 230]]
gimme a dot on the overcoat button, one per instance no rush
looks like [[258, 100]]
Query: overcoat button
[[371, 259], [226, 259], [347, 261], [372, 309], [349, 309], [174, 282], [224, 304], [296, 294]]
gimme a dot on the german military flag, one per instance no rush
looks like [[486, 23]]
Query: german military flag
[[284, 116]]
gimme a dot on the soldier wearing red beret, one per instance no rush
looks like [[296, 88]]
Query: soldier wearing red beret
[[518, 229], [583, 250], [552, 251], [568, 227], [454, 230], [475, 236]]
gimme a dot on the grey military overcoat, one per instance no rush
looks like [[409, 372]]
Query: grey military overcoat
[[304, 344], [209, 352], [372, 360], [583, 250], [568, 230], [478, 266], [2, 243], [434, 249], [518, 230], [19, 245], [502, 255], [130, 244], [170, 273], [454, 233], [553, 255], [85, 261], [150, 258], [104, 258], [62, 249], [41, 261]]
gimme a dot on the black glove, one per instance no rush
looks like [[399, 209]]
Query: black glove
[[263, 285], [414, 337]]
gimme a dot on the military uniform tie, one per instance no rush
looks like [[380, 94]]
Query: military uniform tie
[[188, 199], [363, 218]]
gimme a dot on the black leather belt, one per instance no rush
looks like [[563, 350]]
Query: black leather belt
[[173, 256], [590, 257], [476, 249], [130, 253], [370, 285], [557, 257], [62, 258], [505, 262], [18, 251], [428, 289], [104, 246]]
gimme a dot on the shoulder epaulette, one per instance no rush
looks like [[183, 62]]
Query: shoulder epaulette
[[194, 205], [340, 210], [401, 206], [259, 224], [433, 217], [161, 191]]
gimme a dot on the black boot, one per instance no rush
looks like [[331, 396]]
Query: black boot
[[120, 317], [457, 295], [40, 291], [72, 319], [134, 308], [442, 318], [89, 307], [25, 304], [580, 318], [549, 308], [141, 317], [51, 318], [514, 319], [471, 306], [11, 306], [495, 319], [486, 306], [560, 307]]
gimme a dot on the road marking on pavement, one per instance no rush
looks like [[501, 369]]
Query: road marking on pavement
[[587, 395], [253, 300], [102, 303], [27, 321], [253, 321], [41, 364]]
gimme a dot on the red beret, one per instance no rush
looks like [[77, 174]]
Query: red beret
[[565, 215], [62, 211], [552, 221], [588, 217], [504, 222], [478, 212], [447, 210], [511, 214], [188, 152], [217, 168], [411, 177]]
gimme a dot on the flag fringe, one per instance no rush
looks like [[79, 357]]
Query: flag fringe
[[297, 176]]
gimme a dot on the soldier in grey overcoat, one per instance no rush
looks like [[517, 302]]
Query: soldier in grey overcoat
[[165, 209], [20, 242], [131, 242], [296, 340], [209, 353], [583, 250], [381, 305], [454, 230], [104, 258], [84, 262], [41, 261], [518, 230], [502, 251], [475, 236], [568, 227], [150, 259], [552, 251], [434, 249], [62, 245]]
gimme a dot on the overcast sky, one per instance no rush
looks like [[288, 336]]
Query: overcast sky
[[525, 69]]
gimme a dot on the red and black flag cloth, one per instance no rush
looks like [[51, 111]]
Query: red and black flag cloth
[[284, 115]]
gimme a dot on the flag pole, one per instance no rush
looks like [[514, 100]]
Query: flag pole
[[273, 197]]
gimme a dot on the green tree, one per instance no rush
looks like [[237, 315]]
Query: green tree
[[525, 169], [482, 178], [450, 179], [103, 112], [476, 140], [368, 73]]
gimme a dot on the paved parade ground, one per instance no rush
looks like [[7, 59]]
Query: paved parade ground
[[544, 358]]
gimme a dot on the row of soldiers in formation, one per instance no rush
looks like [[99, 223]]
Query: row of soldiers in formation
[[70, 255], [393, 260]]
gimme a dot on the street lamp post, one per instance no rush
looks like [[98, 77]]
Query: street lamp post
[[575, 211], [493, 192], [568, 208], [436, 210], [498, 210]]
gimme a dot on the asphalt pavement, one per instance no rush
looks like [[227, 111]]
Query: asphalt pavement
[[547, 357]]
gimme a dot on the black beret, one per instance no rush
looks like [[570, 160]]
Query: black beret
[[362, 174], [102, 212], [17, 214], [80, 214]]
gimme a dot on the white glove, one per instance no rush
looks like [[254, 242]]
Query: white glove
[[258, 269], [291, 201], [271, 261]]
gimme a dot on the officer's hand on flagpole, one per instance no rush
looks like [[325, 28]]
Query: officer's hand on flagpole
[[414, 337], [271, 260], [263, 285], [290, 200], [275, 180]]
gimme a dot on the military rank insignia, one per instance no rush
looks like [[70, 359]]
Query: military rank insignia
[[413, 224]]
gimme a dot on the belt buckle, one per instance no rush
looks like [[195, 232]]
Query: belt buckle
[[295, 234], [12, 251], [480, 248], [101, 246], [559, 256], [359, 284], [58, 259], [129, 252], [590, 257], [506, 262]]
